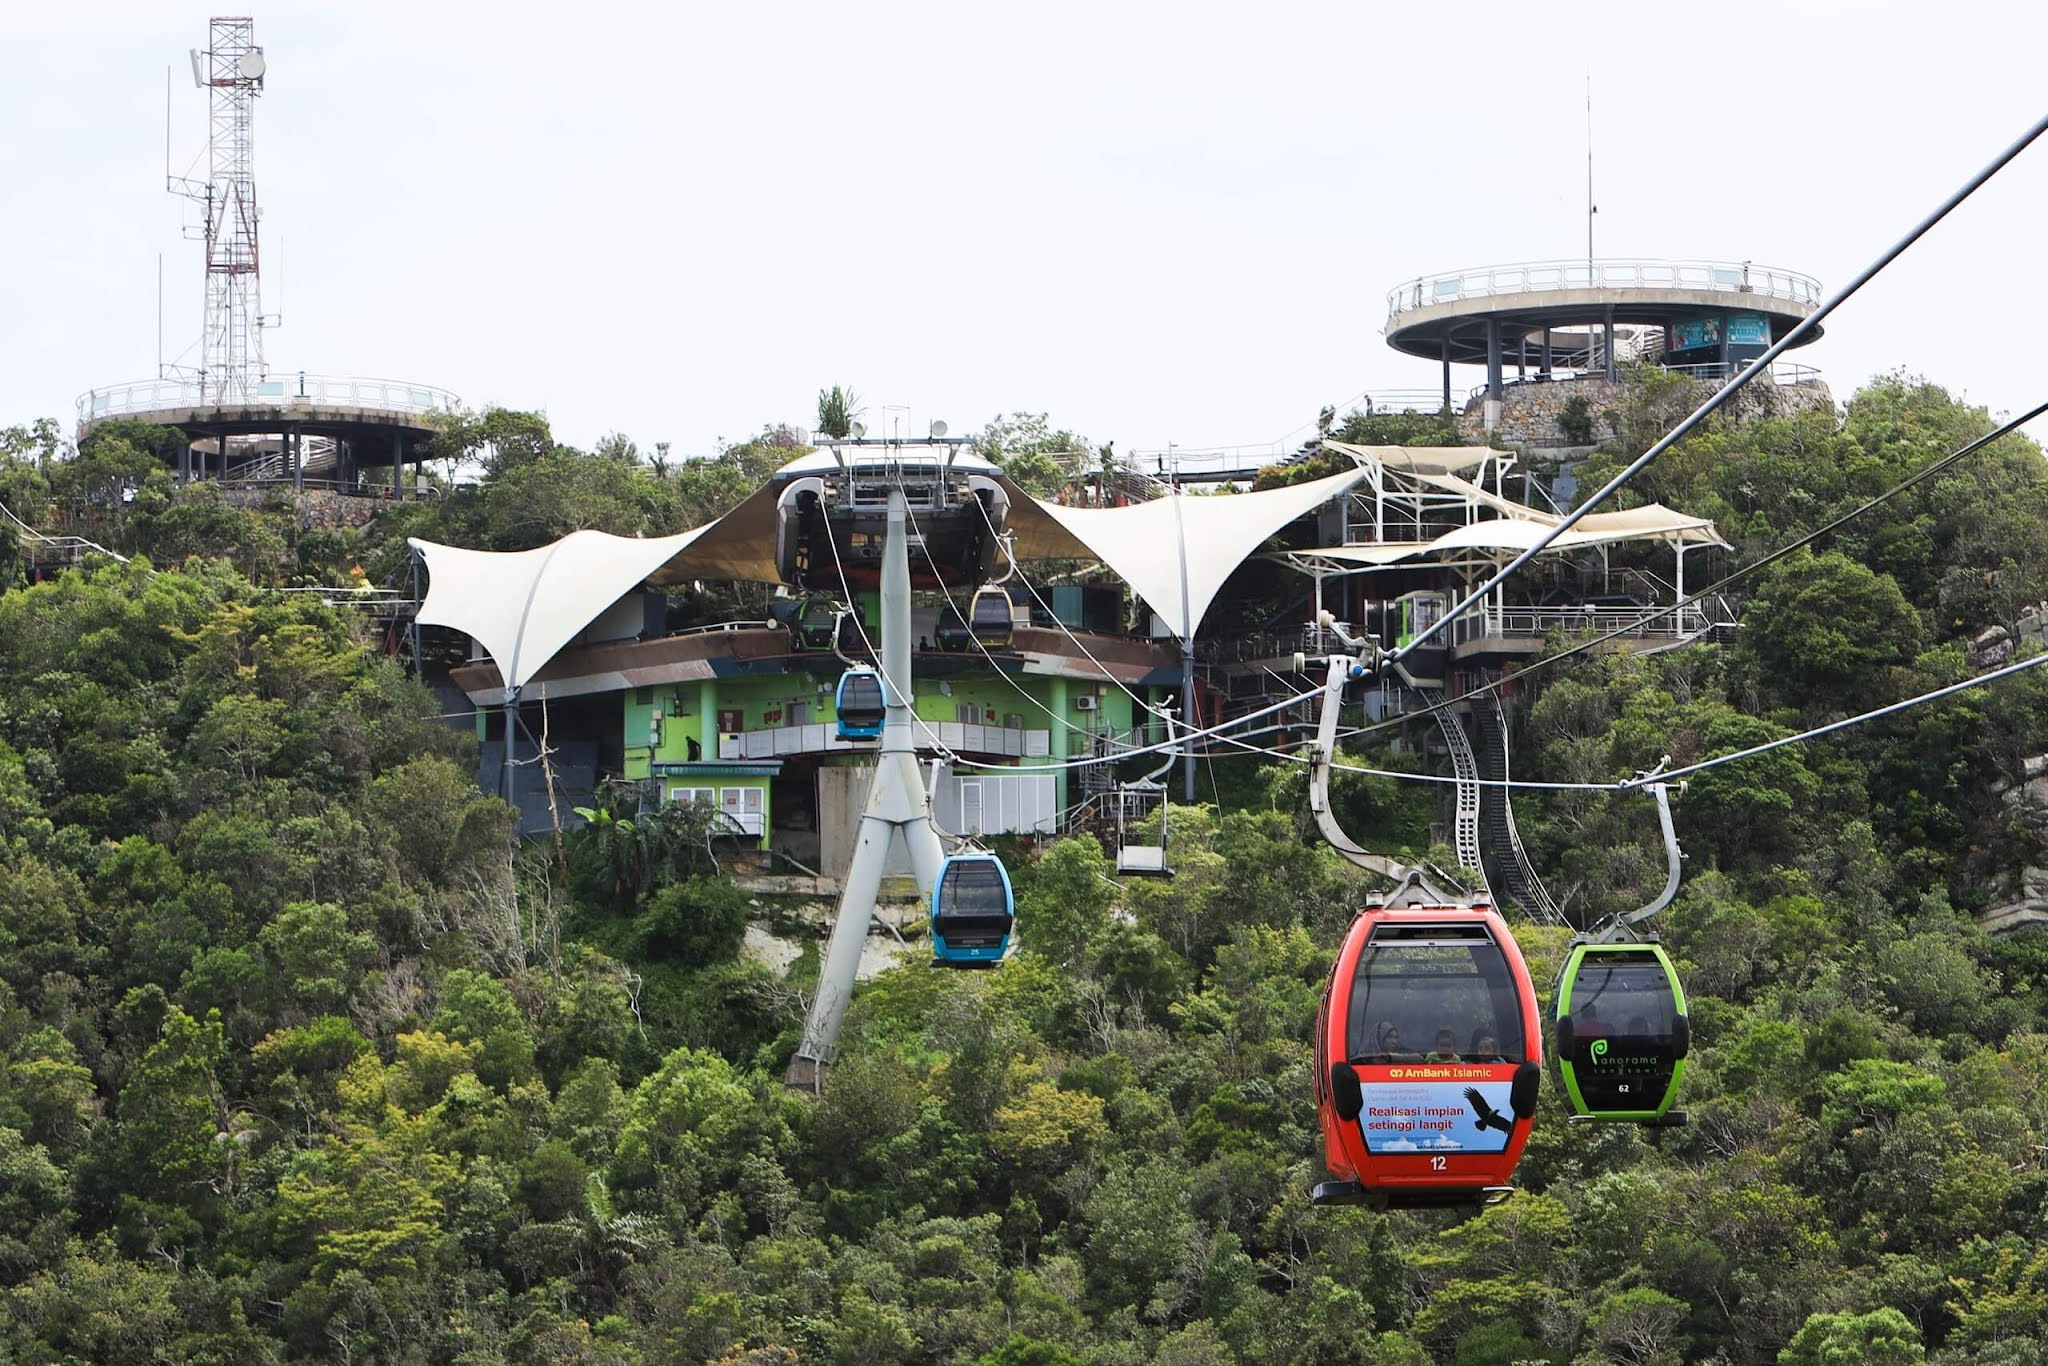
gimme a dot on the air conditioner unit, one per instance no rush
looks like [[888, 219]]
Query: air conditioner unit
[[1088, 703]]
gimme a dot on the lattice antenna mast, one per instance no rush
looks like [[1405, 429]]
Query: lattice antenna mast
[[231, 351]]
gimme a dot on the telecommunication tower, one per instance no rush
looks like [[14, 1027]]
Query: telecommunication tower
[[231, 345]]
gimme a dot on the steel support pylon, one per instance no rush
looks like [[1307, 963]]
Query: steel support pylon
[[898, 808]]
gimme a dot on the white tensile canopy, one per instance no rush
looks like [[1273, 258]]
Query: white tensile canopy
[[1143, 543], [524, 607]]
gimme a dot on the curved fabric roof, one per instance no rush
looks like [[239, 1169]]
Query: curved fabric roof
[[1142, 542], [1417, 460], [524, 606], [1514, 534]]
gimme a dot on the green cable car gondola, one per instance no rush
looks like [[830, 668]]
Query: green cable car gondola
[[1622, 1032], [816, 624]]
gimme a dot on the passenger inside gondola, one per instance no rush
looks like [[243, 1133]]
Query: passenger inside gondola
[[1391, 1049], [1485, 1048], [1446, 1049]]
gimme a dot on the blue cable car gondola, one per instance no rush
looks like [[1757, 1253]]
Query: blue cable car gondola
[[973, 911], [862, 704]]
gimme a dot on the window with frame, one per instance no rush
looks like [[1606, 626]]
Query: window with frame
[[1437, 992], [742, 808]]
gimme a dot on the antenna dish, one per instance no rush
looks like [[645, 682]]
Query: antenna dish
[[857, 431], [198, 70], [252, 66], [940, 429]]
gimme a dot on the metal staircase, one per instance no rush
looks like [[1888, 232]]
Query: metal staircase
[[1465, 827], [1510, 869]]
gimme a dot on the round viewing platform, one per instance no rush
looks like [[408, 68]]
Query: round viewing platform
[[1457, 316], [311, 431], [345, 408]]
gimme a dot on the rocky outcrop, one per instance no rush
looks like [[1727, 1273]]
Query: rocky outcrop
[[2023, 901]]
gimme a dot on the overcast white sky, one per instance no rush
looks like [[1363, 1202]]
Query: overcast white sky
[[1157, 222]]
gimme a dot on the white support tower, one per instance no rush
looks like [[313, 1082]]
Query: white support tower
[[231, 68], [898, 813]]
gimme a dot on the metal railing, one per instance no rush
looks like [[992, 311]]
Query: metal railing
[[1627, 623], [288, 389], [1385, 402], [1536, 277], [1781, 373], [823, 738]]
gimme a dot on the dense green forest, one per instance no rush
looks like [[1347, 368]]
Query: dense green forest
[[303, 1057]]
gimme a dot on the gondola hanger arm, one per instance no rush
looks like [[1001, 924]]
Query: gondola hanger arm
[[1341, 669], [1623, 927]]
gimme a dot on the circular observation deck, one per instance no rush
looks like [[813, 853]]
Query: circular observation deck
[[345, 408], [1452, 316]]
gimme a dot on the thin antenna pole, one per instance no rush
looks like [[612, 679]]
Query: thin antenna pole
[[159, 315], [1591, 207]]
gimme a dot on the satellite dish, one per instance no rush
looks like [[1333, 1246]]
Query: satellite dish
[[252, 66], [858, 431], [940, 429]]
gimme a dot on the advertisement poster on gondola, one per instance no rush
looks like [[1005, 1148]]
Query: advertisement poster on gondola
[[1413, 1112]]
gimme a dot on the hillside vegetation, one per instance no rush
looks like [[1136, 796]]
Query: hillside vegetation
[[303, 1057]]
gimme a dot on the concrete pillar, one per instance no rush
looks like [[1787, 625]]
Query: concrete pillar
[[185, 464], [1725, 356], [1061, 747], [397, 465], [1546, 353], [1522, 357], [295, 452], [1607, 341], [707, 718], [1447, 370], [1493, 386]]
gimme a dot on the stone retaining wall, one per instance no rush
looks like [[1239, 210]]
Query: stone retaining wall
[[1529, 410], [316, 509]]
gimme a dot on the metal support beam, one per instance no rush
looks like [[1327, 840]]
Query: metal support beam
[[1187, 653], [1607, 341], [414, 625], [506, 786]]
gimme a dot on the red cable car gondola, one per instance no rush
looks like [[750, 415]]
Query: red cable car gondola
[[1428, 1058]]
